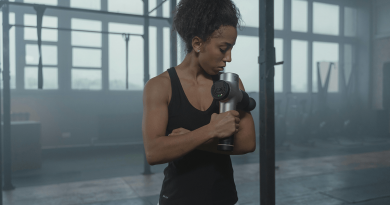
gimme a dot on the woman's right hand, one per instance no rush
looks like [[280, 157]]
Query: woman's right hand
[[225, 124]]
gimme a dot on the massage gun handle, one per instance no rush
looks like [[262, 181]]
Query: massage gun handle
[[226, 144]]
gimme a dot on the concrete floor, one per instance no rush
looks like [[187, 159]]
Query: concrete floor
[[328, 172]]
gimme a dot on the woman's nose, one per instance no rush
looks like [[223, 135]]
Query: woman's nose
[[228, 57]]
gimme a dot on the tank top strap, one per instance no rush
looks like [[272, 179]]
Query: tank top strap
[[177, 99], [175, 82]]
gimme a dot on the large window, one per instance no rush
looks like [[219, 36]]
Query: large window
[[86, 55], [98, 61], [324, 48], [117, 57]]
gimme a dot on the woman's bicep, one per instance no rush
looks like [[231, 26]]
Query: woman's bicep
[[155, 113]]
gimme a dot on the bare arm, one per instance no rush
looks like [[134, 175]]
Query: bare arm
[[158, 147]]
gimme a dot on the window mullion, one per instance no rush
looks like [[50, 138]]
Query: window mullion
[[310, 48], [287, 47]]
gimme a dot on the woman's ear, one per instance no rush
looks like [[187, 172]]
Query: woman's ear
[[197, 43]]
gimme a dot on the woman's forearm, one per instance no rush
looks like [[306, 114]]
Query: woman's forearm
[[167, 148]]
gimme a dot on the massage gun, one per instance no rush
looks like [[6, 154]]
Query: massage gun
[[230, 97]]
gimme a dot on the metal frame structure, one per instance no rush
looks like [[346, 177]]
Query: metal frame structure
[[267, 109], [6, 135]]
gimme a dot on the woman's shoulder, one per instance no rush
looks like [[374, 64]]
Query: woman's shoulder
[[163, 80], [159, 85]]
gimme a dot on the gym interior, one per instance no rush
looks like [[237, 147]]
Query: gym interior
[[72, 100]]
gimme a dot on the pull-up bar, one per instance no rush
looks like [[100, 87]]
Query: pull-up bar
[[68, 29]]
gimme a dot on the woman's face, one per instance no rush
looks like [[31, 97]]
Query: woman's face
[[217, 50]]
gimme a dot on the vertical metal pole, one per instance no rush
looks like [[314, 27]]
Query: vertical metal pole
[[173, 37], [267, 111], [1, 146], [105, 49], [40, 9], [127, 63], [127, 38], [1, 153], [160, 42], [287, 49], [310, 49], [7, 102], [146, 65], [341, 63], [1, 142]]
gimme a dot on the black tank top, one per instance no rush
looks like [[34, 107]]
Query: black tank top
[[199, 177]]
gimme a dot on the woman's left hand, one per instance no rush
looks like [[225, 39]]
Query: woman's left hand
[[179, 131]]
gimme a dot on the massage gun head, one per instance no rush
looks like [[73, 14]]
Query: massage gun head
[[227, 91], [220, 90]]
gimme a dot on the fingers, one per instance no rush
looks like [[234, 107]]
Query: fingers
[[236, 130], [178, 130], [175, 130], [235, 113], [237, 124]]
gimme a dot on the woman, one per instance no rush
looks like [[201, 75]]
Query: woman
[[181, 121]]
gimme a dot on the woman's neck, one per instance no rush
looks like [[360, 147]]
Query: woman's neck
[[190, 68]]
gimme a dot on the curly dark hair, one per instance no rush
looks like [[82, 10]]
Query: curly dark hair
[[202, 17]]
